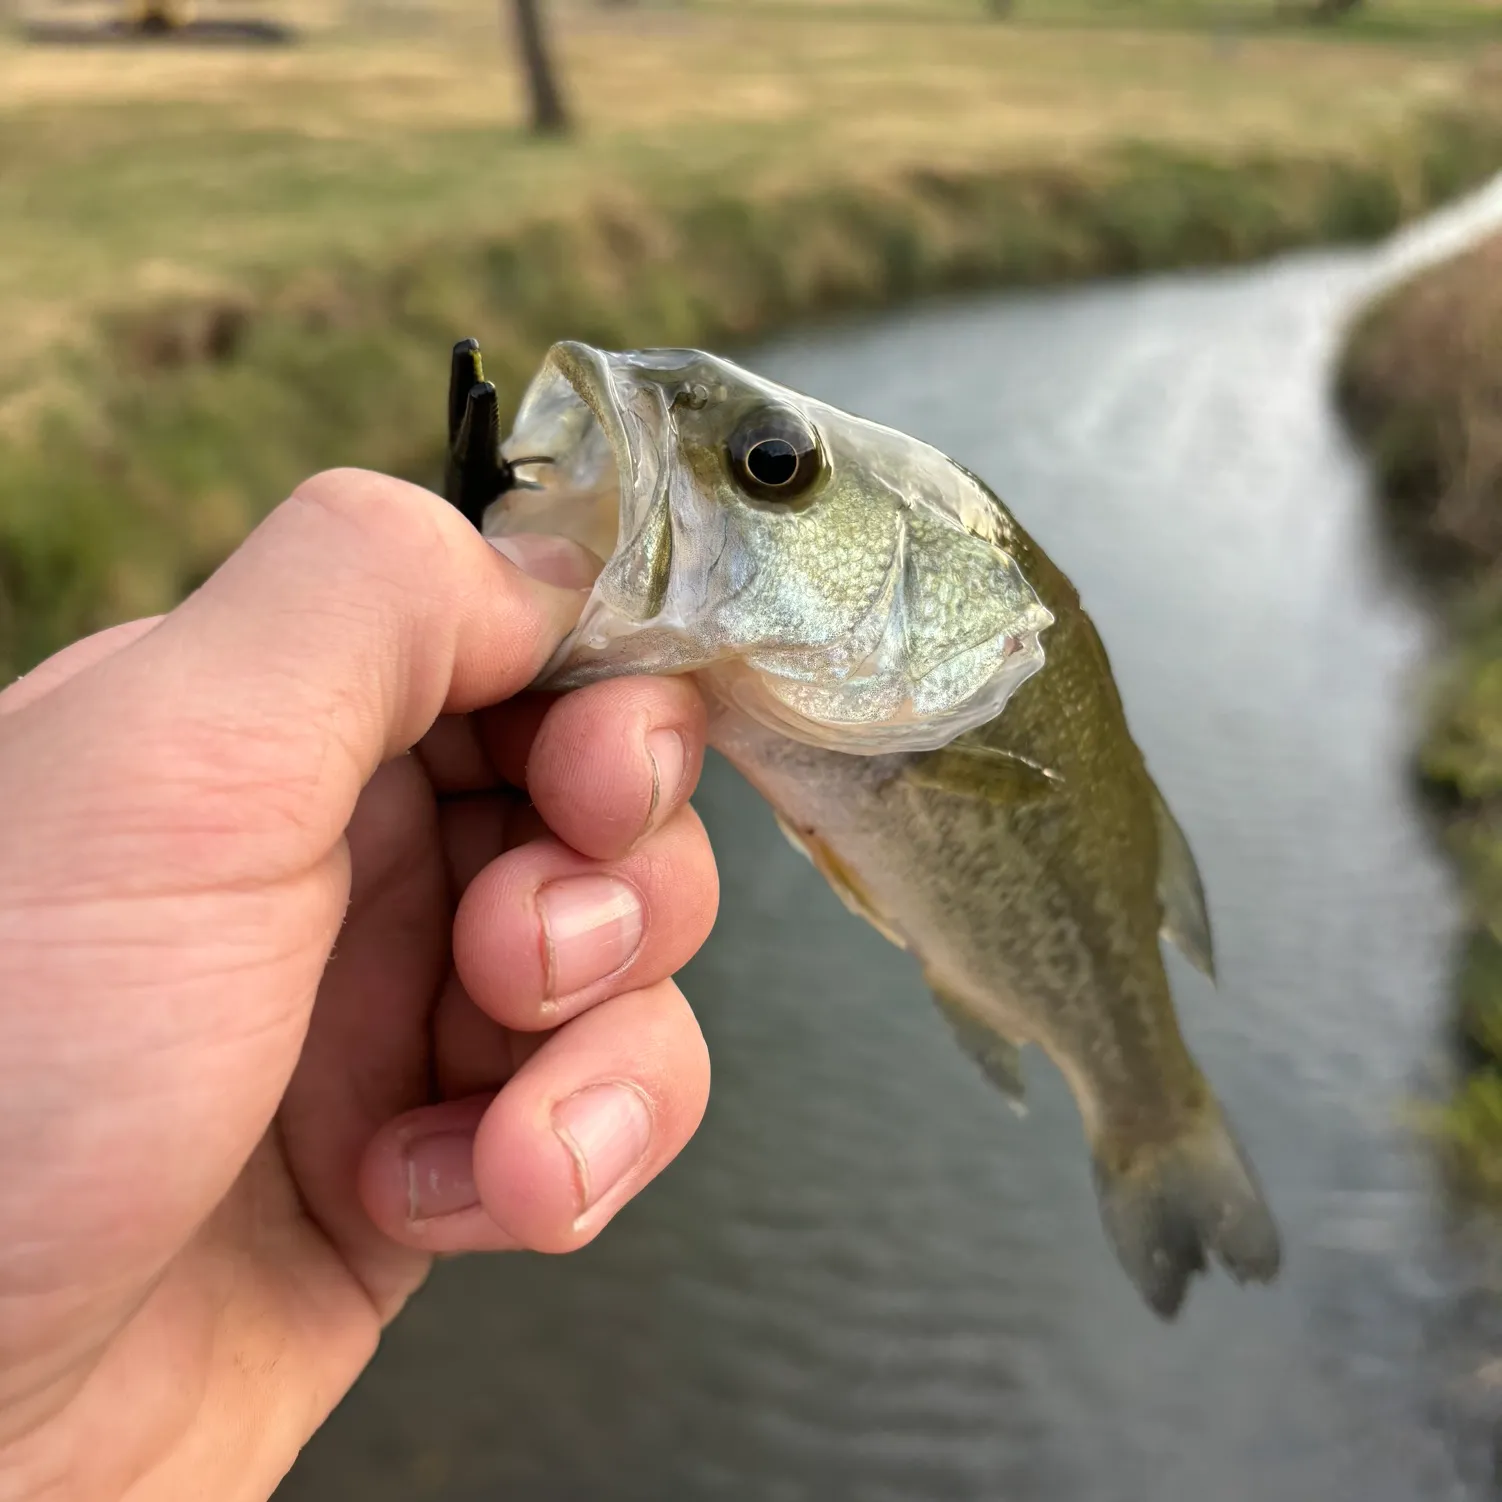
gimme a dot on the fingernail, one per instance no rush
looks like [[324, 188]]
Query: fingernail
[[440, 1175], [553, 560], [606, 1129], [591, 926], [669, 757]]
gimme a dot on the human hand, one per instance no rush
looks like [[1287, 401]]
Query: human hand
[[229, 1158]]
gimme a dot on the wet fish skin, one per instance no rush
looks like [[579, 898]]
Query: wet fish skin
[[1028, 862]]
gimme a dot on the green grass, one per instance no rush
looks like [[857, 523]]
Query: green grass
[[1469, 1132], [220, 271], [1467, 1128], [1461, 763]]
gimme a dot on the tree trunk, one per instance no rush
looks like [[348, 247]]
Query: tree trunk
[[549, 117]]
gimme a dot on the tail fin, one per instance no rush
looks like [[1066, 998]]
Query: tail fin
[[1167, 1206]]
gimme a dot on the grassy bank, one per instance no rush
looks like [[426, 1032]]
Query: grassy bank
[[221, 271], [1421, 381]]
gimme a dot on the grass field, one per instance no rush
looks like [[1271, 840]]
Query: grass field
[[222, 269]]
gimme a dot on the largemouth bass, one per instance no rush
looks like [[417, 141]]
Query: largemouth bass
[[897, 667]]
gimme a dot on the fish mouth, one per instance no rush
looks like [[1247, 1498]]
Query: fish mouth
[[571, 426], [601, 419]]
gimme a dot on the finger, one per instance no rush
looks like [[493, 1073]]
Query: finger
[[601, 1108], [610, 762], [472, 1053], [543, 933], [508, 731], [454, 758], [472, 833], [71, 661], [365, 1056]]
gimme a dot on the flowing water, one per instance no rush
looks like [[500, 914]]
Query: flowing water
[[866, 1279]]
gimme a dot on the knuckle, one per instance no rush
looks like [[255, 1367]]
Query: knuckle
[[384, 511]]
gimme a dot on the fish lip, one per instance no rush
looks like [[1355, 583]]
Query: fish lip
[[588, 371]]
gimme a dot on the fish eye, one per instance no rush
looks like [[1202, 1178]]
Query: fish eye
[[775, 456]]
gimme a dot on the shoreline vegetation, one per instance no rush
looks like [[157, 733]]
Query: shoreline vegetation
[[1420, 383], [223, 270]]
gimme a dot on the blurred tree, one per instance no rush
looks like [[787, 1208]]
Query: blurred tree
[[1000, 8], [549, 117], [1333, 10], [157, 16]]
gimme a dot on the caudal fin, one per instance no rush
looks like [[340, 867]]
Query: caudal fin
[[1168, 1207]]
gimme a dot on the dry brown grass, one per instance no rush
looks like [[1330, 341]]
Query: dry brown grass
[[1422, 379]]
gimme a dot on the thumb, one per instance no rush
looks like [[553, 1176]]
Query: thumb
[[361, 609], [358, 611]]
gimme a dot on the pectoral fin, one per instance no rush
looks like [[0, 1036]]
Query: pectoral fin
[[1186, 924], [846, 885], [970, 769], [1000, 1059]]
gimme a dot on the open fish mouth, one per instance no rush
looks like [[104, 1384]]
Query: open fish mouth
[[601, 420], [873, 612]]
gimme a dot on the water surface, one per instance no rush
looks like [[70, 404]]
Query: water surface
[[866, 1279]]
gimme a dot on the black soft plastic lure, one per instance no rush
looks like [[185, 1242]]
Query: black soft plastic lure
[[475, 473]]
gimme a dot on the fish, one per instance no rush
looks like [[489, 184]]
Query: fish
[[909, 681]]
